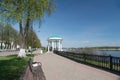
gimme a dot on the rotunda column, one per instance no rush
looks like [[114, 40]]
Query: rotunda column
[[52, 46], [59, 45], [56, 45], [48, 46]]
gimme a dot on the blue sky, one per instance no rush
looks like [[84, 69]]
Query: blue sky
[[83, 23]]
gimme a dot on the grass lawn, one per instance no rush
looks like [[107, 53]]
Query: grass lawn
[[11, 67]]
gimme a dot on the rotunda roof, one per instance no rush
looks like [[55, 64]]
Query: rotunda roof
[[55, 37]]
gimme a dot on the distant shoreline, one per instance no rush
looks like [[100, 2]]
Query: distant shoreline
[[105, 48], [108, 49]]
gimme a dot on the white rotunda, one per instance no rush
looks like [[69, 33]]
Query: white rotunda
[[54, 43]]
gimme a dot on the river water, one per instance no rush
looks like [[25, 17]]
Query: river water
[[115, 53], [109, 52]]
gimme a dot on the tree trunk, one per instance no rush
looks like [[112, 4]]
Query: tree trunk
[[23, 42], [24, 32], [1, 45], [22, 52], [22, 45], [5, 46], [27, 26]]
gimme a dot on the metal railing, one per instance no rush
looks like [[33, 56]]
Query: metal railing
[[107, 62]]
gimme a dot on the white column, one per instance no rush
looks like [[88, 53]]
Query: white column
[[48, 46], [56, 45], [52, 46], [59, 45]]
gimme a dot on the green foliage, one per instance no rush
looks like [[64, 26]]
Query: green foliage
[[107, 47], [44, 49], [9, 34], [1, 30], [87, 51], [32, 39], [25, 12]]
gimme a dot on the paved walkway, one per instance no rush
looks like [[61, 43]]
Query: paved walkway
[[56, 67]]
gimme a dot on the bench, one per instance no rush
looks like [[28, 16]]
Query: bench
[[33, 71]]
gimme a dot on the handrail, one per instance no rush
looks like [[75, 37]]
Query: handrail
[[108, 62]]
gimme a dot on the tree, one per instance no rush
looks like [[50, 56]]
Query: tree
[[10, 34], [25, 12], [32, 40], [1, 34], [1, 30]]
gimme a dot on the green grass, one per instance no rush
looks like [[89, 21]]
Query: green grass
[[12, 67]]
